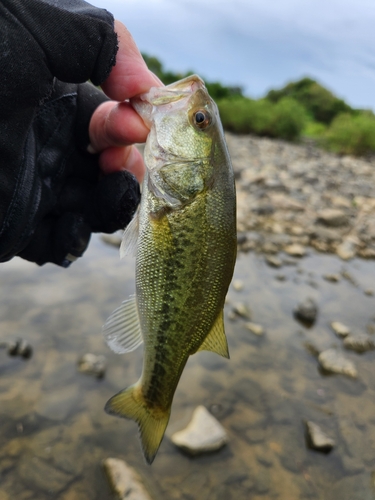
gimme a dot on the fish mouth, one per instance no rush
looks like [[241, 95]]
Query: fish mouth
[[177, 93]]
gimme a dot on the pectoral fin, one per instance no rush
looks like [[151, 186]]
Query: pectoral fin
[[122, 330], [130, 237], [216, 340]]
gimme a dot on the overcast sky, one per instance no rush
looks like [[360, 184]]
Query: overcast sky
[[260, 44]]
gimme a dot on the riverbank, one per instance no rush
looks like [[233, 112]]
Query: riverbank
[[295, 196]]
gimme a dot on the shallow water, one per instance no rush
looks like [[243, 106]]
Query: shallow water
[[54, 432]]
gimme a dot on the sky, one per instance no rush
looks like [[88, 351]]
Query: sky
[[260, 44]]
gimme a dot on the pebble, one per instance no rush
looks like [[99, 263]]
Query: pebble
[[241, 310], [273, 261], [333, 278], [334, 361], [340, 329], [238, 285], [92, 364], [113, 239], [359, 343], [306, 311], [124, 480], [203, 434], [317, 439], [295, 250], [332, 217], [254, 328], [346, 250]]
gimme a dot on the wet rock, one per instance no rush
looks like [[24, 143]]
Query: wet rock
[[332, 217], [306, 311], [325, 234], [238, 285], [254, 328], [334, 361], [113, 239], [41, 475], [369, 292], [359, 343], [295, 250], [273, 261], [203, 434], [241, 310], [56, 405], [346, 250], [317, 439], [340, 329], [18, 347], [92, 364], [333, 278], [124, 481]]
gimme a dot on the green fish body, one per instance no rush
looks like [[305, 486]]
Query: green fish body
[[185, 235]]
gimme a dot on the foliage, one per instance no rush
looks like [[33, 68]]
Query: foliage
[[215, 89], [318, 101], [350, 134], [285, 119], [301, 108]]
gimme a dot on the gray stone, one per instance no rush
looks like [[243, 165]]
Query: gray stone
[[306, 311], [359, 343], [241, 310], [334, 361], [332, 217], [124, 480], [203, 434], [254, 328], [317, 439], [333, 278], [346, 250], [238, 285], [295, 250], [42, 475], [92, 364], [273, 261], [340, 329]]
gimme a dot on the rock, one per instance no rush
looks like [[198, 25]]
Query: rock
[[238, 285], [306, 311], [332, 217], [202, 435], [346, 250], [254, 328], [340, 329], [273, 261], [92, 365], [41, 475], [369, 292], [333, 361], [317, 439], [57, 404], [124, 481], [359, 343], [241, 310], [325, 234], [333, 278], [113, 239], [295, 250]]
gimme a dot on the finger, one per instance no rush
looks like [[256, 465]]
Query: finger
[[115, 124], [130, 76], [126, 158]]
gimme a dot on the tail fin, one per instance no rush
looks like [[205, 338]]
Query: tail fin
[[152, 422]]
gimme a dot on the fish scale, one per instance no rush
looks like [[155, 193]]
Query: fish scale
[[185, 234]]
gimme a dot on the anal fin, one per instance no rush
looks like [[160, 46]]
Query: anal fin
[[216, 340]]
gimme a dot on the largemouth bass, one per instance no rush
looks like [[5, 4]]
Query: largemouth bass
[[185, 238]]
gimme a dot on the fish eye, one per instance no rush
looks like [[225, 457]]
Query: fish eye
[[202, 118]]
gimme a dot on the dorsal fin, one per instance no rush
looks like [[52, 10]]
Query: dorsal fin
[[216, 340]]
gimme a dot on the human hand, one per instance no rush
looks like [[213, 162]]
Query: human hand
[[115, 126]]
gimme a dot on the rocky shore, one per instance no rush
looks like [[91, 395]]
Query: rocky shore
[[294, 196]]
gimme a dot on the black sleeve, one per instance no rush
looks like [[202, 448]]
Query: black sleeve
[[51, 194]]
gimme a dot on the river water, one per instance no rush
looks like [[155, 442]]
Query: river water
[[54, 433]]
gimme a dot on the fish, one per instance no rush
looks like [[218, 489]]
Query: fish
[[184, 239]]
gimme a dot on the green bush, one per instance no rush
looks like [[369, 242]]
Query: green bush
[[318, 101], [350, 134], [285, 119]]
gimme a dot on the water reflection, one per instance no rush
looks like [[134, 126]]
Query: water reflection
[[54, 432]]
